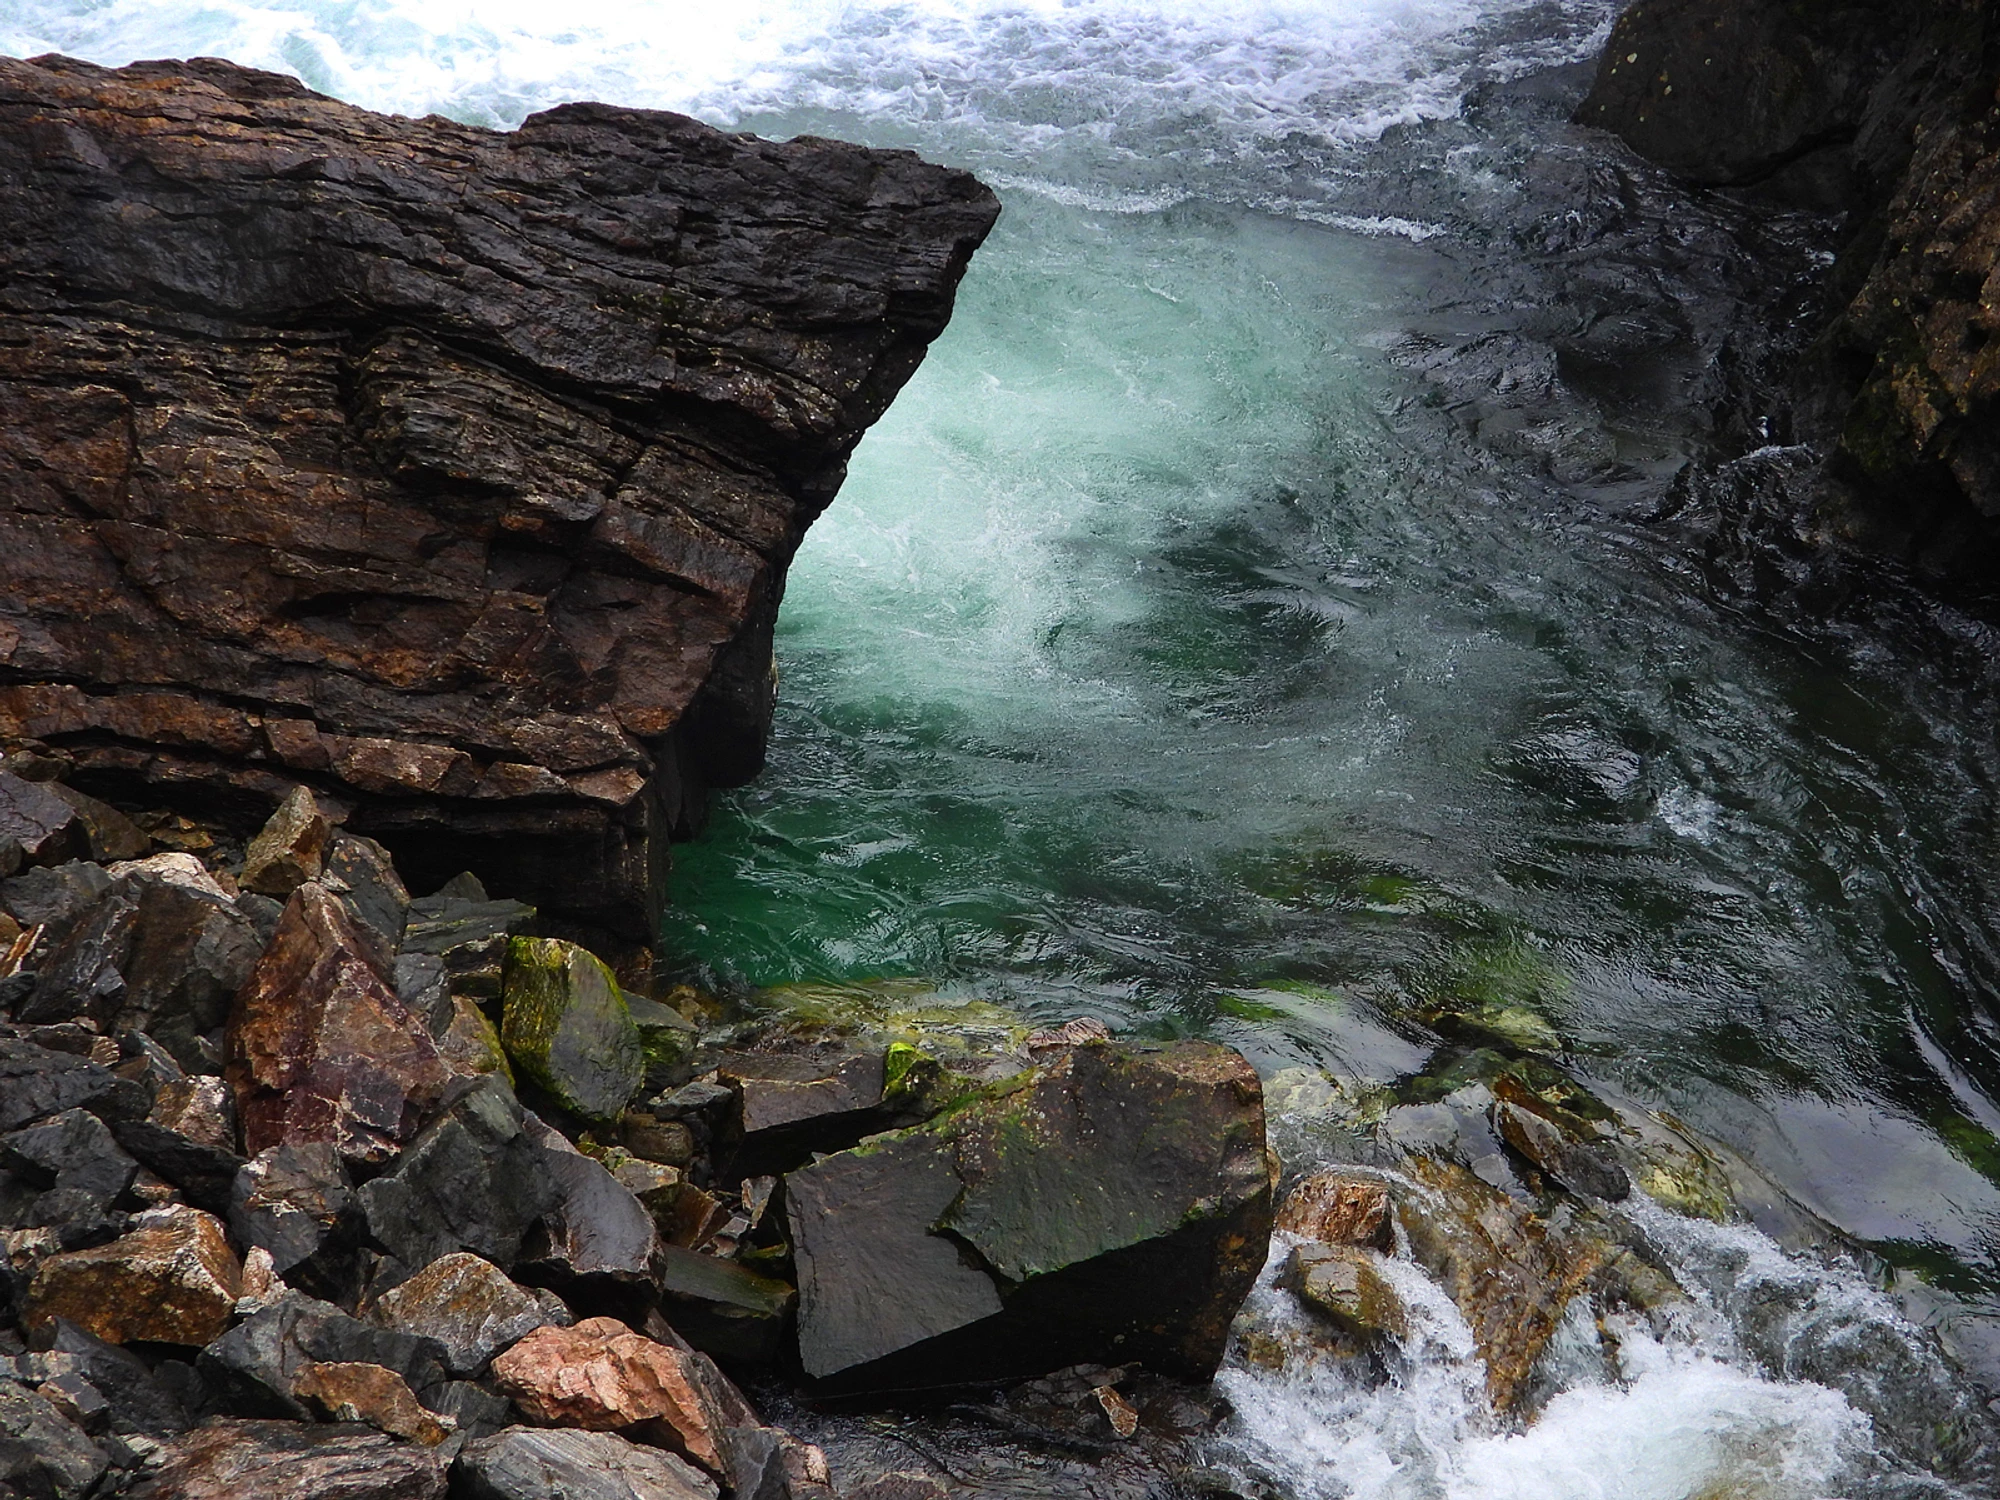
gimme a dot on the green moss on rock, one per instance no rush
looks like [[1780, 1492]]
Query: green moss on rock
[[565, 1024]]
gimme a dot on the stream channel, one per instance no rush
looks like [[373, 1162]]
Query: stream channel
[[1256, 621]]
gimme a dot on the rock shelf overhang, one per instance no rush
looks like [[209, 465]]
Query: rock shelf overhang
[[452, 472]]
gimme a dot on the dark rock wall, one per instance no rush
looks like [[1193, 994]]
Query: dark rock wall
[[452, 472], [1886, 116]]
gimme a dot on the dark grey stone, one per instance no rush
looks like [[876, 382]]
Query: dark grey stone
[[252, 1367], [43, 1455], [530, 1464], [76, 1163]]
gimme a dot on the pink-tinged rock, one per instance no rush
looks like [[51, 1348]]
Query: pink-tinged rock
[[320, 1047], [603, 1377], [344, 1391], [174, 1280]]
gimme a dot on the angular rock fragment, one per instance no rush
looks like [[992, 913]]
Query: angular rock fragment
[[601, 1376], [374, 891], [256, 1365], [138, 1402], [320, 1046], [525, 1464], [352, 1392], [723, 1309], [790, 1106], [469, 1044], [38, 1081], [289, 850], [65, 1169], [296, 1204], [40, 826], [1116, 1204], [1337, 1208], [566, 1026], [473, 1409], [468, 1305], [235, 1460], [109, 834], [189, 1139], [1575, 1164], [173, 1280], [54, 897], [42, 1454], [653, 1139], [467, 936], [593, 1231]]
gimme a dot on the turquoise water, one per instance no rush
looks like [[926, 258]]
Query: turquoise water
[[1174, 653]]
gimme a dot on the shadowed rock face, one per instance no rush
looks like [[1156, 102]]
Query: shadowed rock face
[[452, 472]]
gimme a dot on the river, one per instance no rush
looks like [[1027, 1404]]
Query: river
[[1255, 621]]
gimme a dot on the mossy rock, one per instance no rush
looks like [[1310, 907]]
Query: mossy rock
[[565, 1024]]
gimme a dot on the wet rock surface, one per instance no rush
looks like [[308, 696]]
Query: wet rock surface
[[527, 495]]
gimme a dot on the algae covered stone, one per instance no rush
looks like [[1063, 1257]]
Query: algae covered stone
[[567, 1028]]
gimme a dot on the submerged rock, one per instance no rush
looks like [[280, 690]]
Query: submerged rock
[[321, 1048], [566, 1027], [1115, 1203]]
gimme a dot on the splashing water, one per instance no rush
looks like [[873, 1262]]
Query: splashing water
[[1172, 655]]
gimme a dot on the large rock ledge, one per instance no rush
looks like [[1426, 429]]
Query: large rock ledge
[[452, 472]]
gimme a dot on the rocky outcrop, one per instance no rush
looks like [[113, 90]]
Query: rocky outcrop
[[452, 473], [1890, 116]]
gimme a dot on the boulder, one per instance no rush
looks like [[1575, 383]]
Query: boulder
[[467, 1304], [353, 1392], [137, 1401], [1574, 1164], [468, 935], [172, 1280], [255, 1366], [189, 1138], [39, 1081], [650, 1138], [54, 897], [790, 1106], [109, 834], [603, 1377], [321, 1048], [1113, 1203], [43, 1455], [525, 1464], [231, 1460], [596, 1240], [37, 826], [567, 1029], [468, 1042], [1338, 1208]]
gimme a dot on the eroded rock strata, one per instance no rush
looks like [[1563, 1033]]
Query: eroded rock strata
[[452, 472]]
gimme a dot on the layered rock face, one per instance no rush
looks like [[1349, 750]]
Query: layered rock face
[[451, 472], [1891, 116]]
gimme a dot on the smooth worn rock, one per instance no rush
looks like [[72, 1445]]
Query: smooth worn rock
[[320, 1046], [232, 1460], [464, 486], [255, 1366], [468, 1305], [1116, 1203], [603, 1377], [566, 1027], [298, 1205], [1337, 1208], [38, 825], [173, 1280], [1512, 1274], [1574, 1164], [1343, 1283], [289, 849], [43, 1455], [189, 1138], [352, 1392], [526, 1464]]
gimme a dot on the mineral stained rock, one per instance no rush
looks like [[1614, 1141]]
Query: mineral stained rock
[[321, 1048], [173, 1280], [230, 1460], [469, 1306], [1115, 1203], [451, 472], [351, 1391], [1338, 1208]]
